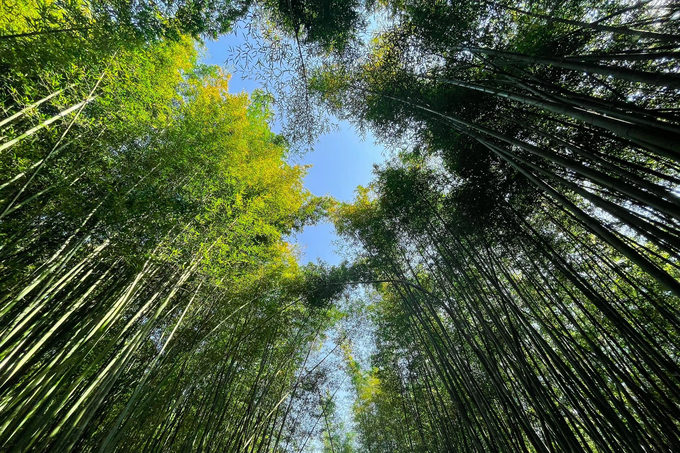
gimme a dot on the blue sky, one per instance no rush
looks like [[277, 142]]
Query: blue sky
[[340, 161]]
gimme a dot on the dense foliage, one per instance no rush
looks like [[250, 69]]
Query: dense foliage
[[520, 247], [149, 299], [529, 225]]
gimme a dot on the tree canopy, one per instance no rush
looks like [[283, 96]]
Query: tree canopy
[[512, 279]]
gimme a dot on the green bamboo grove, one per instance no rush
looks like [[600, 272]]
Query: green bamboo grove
[[518, 249]]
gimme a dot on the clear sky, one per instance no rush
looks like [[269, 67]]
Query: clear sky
[[341, 160]]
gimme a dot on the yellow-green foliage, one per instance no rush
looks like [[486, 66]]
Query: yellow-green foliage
[[25, 16]]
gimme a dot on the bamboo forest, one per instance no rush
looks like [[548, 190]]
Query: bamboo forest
[[508, 280]]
